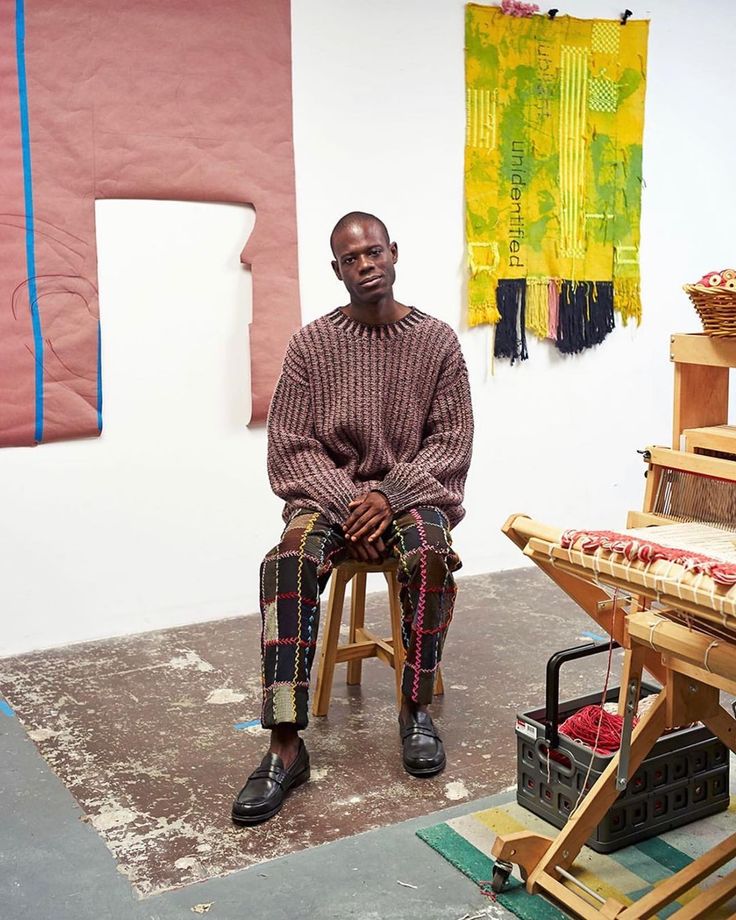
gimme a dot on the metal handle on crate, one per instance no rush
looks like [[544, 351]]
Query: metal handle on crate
[[552, 703]]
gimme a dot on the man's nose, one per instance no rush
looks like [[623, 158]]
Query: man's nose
[[365, 263]]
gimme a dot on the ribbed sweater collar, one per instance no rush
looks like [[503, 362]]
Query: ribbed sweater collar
[[376, 330]]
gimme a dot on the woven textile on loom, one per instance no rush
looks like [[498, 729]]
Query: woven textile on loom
[[553, 173], [708, 551]]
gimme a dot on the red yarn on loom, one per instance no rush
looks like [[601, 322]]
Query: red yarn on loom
[[583, 726], [634, 549]]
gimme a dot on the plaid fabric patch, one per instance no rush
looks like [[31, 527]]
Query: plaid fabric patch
[[294, 575]]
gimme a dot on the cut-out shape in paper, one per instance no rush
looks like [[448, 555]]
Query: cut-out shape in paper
[[132, 100]]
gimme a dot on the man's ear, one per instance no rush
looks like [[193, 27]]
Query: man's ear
[[394, 252], [336, 269]]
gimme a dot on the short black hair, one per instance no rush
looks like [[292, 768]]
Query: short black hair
[[353, 217]]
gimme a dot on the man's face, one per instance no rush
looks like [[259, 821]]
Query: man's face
[[364, 261]]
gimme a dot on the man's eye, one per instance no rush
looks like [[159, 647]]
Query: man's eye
[[375, 252]]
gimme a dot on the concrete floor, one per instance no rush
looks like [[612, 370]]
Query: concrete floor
[[118, 770], [55, 866]]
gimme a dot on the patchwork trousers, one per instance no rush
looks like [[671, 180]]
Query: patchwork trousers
[[294, 575]]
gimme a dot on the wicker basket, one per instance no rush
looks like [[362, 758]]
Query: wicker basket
[[716, 308]]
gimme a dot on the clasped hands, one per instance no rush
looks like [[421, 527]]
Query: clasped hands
[[370, 514]]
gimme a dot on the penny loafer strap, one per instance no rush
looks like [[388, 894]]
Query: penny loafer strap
[[272, 773], [411, 730]]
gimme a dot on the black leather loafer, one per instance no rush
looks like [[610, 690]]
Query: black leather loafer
[[266, 788], [424, 754]]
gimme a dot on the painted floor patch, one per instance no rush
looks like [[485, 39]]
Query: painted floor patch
[[154, 734]]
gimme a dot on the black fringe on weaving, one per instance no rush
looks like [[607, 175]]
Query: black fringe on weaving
[[584, 320], [510, 329]]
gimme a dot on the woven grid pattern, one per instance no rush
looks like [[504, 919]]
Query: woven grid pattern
[[606, 37], [602, 95]]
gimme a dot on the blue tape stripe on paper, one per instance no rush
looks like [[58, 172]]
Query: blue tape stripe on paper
[[20, 52], [241, 726], [99, 377]]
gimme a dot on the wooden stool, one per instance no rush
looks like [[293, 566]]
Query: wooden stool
[[361, 642]]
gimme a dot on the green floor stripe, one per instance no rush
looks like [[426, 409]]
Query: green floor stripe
[[664, 853], [641, 864], [456, 850], [478, 867]]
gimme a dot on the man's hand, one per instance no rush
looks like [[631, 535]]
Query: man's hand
[[363, 551], [370, 515]]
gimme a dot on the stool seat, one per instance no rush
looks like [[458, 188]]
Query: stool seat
[[362, 643]]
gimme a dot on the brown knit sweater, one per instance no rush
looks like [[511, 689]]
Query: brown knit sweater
[[361, 407]]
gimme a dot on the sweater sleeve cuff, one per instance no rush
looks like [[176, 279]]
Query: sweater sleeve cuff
[[369, 485], [396, 497]]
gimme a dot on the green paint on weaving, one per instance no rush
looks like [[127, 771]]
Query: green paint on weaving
[[545, 202], [629, 179], [537, 231], [629, 83]]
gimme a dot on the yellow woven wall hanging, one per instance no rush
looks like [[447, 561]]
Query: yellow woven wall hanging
[[553, 175]]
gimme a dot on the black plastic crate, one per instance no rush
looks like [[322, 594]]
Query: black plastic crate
[[684, 778]]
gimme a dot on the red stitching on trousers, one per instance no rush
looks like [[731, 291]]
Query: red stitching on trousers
[[291, 596]]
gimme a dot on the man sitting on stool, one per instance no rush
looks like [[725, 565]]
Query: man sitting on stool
[[369, 442]]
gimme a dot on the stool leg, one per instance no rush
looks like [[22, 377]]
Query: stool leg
[[357, 621], [439, 685], [331, 632], [398, 645]]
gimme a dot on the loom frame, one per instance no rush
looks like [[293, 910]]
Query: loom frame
[[674, 655]]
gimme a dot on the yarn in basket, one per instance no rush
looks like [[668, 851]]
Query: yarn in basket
[[725, 279]]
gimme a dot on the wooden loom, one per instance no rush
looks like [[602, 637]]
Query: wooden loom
[[679, 626], [668, 626]]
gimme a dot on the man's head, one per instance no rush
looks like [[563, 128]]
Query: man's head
[[364, 257]]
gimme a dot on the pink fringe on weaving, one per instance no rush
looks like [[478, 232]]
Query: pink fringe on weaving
[[518, 8], [553, 301], [646, 551]]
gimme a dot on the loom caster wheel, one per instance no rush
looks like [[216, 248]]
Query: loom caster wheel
[[501, 873]]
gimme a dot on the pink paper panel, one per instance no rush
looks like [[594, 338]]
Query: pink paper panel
[[132, 99]]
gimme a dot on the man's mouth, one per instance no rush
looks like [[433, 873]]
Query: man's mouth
[[369, 282]]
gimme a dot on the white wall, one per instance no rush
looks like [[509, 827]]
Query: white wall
[[164, 519]]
